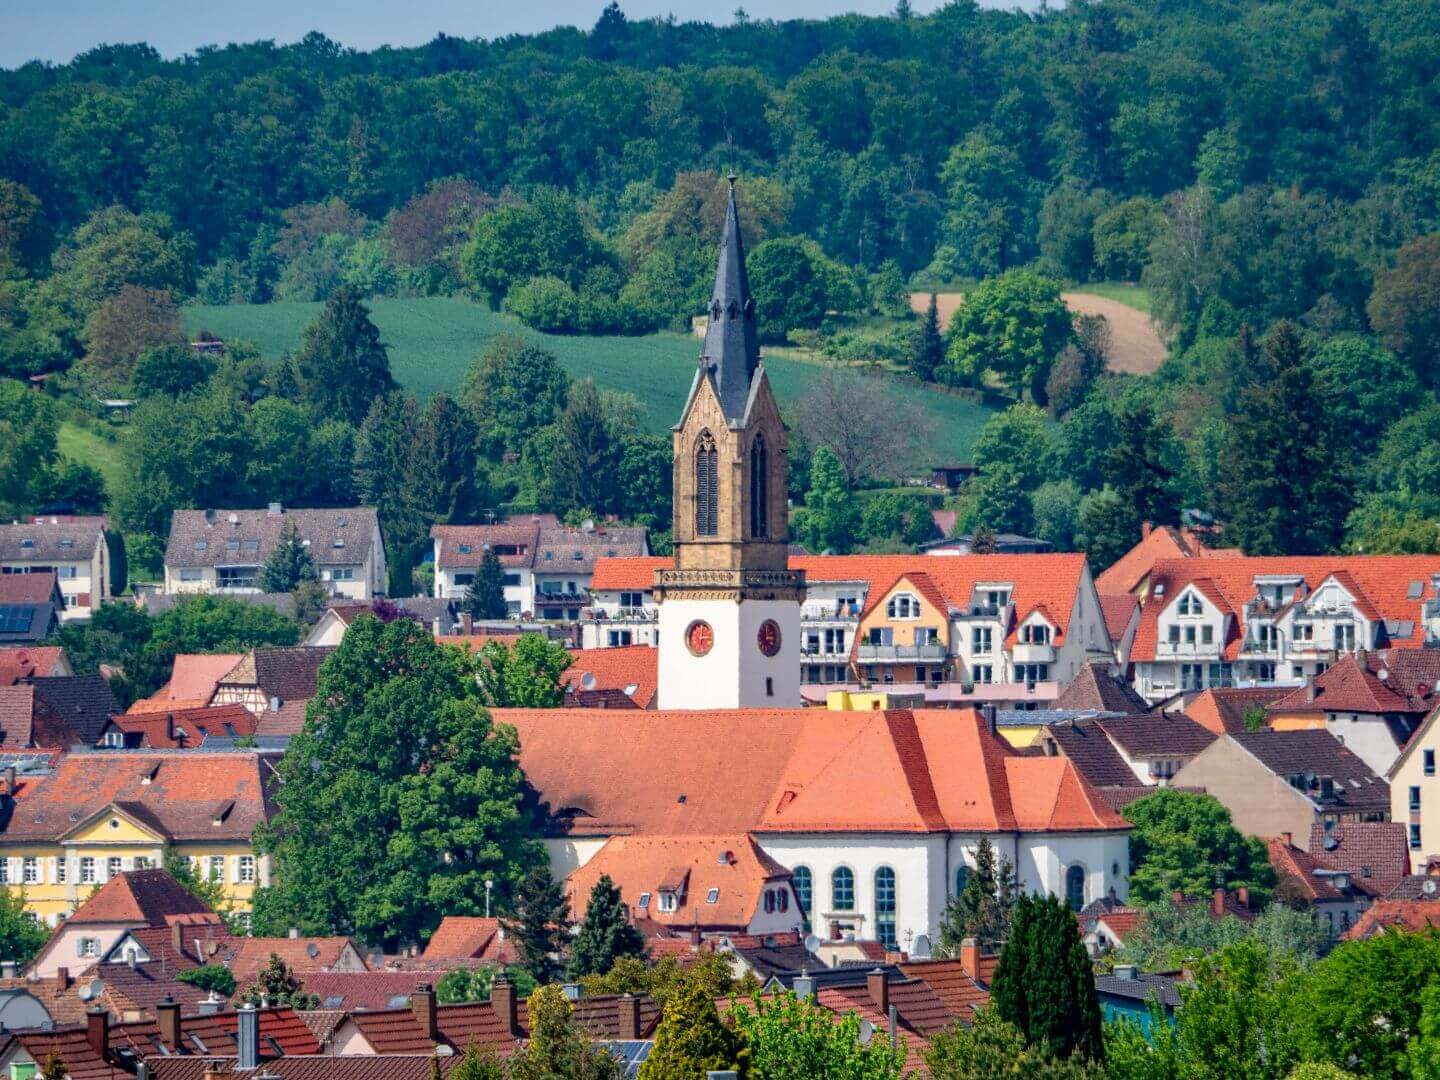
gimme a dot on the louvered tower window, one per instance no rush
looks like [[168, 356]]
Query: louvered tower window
[[759, 489], [707, 486]]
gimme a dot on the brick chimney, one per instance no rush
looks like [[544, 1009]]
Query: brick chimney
[[970, 958], [97, 1032], [1145, 529], [422, 1004], [1242, 897], [467, 622], [177, 938], [1310, 690], [62, 978], [878, 987], [1217, 903], [502, 998], [629, 1006], [167, 1016]]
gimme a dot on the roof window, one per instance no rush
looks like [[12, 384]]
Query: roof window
[[464, 549], [27, 542], [66, 542], [202, 545], [644, 901], [339, 542], [713, 896]]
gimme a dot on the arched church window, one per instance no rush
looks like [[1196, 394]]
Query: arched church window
[[1075, 887], [759, 489], [707, 486]]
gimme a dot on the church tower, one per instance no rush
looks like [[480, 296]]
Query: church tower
[[729, 632]]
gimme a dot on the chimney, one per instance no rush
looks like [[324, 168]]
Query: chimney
[[1145, 528], [97, 1032], [987, 713], [970, 958], [276, 509], [1242, 897], [1217, 903], [804, 985], [878, 987], [422, 1003], [62, 978], [467, 622], [294, 933], [177, 939], [9, 775], [247, 1037], [893, 1014], [629, 1006], [167, 1015], [695, 936], [1289, 839], [1310, 690], [502, 999], [1125, 971], [211, 1005]]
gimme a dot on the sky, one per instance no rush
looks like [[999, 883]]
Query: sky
[[56, 30]]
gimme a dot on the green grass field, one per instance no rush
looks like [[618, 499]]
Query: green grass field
[[432, 342], [85, 446], [1121, 292]]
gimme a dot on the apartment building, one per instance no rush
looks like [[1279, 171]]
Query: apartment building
[[74, 549]]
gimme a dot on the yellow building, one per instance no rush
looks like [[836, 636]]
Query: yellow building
[[99, 813], [1415, 792]]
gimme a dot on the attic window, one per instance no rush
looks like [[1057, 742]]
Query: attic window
[[610, 552], [334, 1001], [67, 543], [339, 542], [199, 1043], [644, 901], [342, 522], [251, 545], [464, 549], [668, 901], [549, 556], [713, 896], [399, 1001], [579, 556], [201, 545], [232, 545], [1417, 590], [681, 799], [114, 823], [27, 542]]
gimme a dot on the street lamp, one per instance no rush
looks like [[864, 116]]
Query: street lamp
[[489, 884]]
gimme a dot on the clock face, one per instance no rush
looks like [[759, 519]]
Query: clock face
[[769, 637], [699, 637]]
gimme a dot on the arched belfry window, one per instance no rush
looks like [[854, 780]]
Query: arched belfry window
[[707, 486], [759, 489]]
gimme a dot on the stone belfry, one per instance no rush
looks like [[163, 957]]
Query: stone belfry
[[730, 609]]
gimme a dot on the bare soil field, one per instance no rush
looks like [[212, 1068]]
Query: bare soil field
[[1137, 348]]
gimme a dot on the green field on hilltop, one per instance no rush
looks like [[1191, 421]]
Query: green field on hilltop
[[89, 448], [432, 342]]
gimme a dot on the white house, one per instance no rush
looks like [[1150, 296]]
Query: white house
[[75, 548], [876, 815], [224, 551]]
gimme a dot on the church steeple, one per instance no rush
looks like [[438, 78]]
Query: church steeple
[[732, 344]]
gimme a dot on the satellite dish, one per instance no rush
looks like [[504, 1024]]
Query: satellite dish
[[587, 681], [921, 949], [312, 950], [1429, 887], [867, 1032], [811, 943], [92, 990]]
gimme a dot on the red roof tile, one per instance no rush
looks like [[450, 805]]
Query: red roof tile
[[467, 937], [630, 669], [140, 898], [1406, 916], [1345, 687], [30, 661], [193, 677], [1129, 571], [182, 728]]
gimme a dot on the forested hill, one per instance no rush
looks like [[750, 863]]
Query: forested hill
[[856, 116]]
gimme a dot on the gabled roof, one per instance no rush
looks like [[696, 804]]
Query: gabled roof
[[30, 589], [336, 537], [51, 539], [289, 673], [1382, 584], [1118, 610], [30, 661], [1156, 736], [27, 622], [1222, 710], [554, 549], [470, 937], [950, 982], [181, 728], [17, 716], [192, 681], [1318, 754], [246, 956], [1094, 688], [1348, 686], [1402, 916], [1129, 571], [352, 990], [733, 869], [139, 898], [1374, 853], [1299, 868], [182, 795], [73, 708], [1083, 743], [633, 670]]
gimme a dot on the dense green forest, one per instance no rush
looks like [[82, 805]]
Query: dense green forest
[[1270, 172]]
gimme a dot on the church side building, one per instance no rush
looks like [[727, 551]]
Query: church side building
[[729, 609]]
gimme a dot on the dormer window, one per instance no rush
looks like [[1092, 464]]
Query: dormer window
[[668, 902], [903, 606], [202, 545], [464, 549], [339, 543], [1036, 634], [1189, 604], [27, 542]]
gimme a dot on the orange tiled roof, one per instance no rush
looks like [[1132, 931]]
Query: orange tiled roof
[[28, 662], [961, 994], [164, 729], [1129, 571], [1222, 710], [1345, 687], [1383, 582], [140, 898], [733, 867], [1411, 916], [302, 954], [192, 679], [466, 937], [619, 669], [736, 771]]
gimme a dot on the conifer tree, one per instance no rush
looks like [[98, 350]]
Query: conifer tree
[[342, 365], [539, 928], [289, 564], [1282, 486], [485, 595], [605, 934], [983, 909], [1044, 983], [692, 1040], [54, 1067], [831, 521], [930, 349], [558, 1047]]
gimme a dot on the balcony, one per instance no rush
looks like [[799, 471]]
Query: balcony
[[823, 651], [932, 652], [1032, 652], [1199, 650], [829, 611]]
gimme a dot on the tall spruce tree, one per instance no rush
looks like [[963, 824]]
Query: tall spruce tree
[[930, 347], [692, 1040], [385, 461], [289, 564], [342, 365], [983, 908], [1044, 983], [1282, 486], [1140, 464], [485, 595], [542, 915], [605, 934]]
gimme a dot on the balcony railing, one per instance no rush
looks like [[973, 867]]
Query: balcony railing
[[1199, 649], [1033, 652], [824, 650], [829, 610], [890, 654]]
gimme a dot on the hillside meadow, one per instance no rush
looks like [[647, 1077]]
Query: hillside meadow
[[432, 342]]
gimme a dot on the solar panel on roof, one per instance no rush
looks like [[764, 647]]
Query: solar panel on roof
[[16, 620], [631, 1054], [334, 1001]]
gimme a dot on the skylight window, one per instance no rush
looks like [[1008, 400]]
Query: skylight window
[[713, 896], [202, 545], [644, 901]]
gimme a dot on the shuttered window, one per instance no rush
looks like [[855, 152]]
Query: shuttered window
[[707, 486]]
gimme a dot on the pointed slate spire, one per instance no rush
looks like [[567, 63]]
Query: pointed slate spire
[[732, 345]]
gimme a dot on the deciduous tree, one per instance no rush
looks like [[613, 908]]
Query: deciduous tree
[[1186, 841], [1013, 325]]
